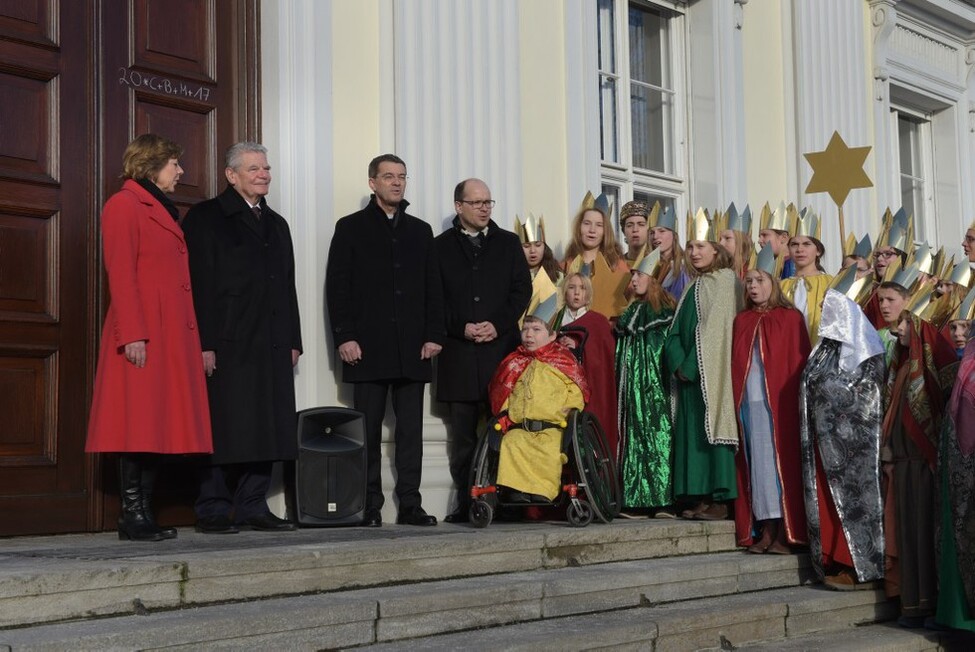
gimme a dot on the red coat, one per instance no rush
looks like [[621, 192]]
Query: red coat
[[162, 407], [785, 347], [872, 310]]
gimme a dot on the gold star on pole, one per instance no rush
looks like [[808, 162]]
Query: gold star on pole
[[838, 169]]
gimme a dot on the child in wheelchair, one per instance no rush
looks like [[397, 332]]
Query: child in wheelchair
[[531, 393]]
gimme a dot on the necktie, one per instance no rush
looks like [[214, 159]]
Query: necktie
[[257, 212]]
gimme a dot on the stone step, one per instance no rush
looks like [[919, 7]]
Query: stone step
[[408, 611], [722, 623], [50, 579], [882, 637]]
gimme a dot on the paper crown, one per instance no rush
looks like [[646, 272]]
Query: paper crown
[[901, 232], [531, 230], [808, 224], [966, 309], [546, 310], [924, 258], [961, 274], [632, 208], [906, 277], [666, 219], [920, 300], [600, 203], [700, 226], [861, 249], [777, 220], [847, 283], [736, 221], [650, 263], [768, 262]]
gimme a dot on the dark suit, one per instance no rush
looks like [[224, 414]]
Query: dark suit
[[383, 291], [243, 277], [486, 283]]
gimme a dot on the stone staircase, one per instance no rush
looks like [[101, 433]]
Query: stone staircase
[[640, 584]]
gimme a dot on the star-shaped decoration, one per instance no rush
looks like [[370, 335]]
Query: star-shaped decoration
[[838, 169]]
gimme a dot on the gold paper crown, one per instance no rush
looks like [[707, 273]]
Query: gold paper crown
[[649, 263], [961, 274], [846, 282], [939, 310], [546, 310], [809, 225], [532, 230], [901, 232], [907, 277], [779, 220], [701, 227], [600, 203], [861, 249], [966, 309], [920, 300], [885, 221]]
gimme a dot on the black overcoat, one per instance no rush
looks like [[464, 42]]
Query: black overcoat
[[243, 274], [492, 284], [382, 288]]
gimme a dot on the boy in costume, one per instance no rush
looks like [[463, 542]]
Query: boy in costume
[[531, 392]]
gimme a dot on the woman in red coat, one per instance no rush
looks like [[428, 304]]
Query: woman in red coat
[[769, 350], [150, 391]]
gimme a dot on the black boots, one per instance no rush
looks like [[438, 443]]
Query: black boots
[[137, 476]]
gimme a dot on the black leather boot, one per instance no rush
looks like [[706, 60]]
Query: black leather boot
[[132, 523], [150, 469]]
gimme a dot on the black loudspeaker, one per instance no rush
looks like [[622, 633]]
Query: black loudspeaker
[[330, 474]]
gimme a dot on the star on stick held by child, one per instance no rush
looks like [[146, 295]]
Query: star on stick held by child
[[837, 170]]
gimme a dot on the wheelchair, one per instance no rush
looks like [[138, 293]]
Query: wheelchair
[[592, 488]]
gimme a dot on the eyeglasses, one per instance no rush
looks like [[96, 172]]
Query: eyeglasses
[[479, 203], [890, 253], [389, 177]]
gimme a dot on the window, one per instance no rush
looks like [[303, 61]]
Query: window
[[640, 65], [912, 143]]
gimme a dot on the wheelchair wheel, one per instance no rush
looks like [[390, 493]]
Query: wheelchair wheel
[[481, 514], [579, 513], [597, 467]]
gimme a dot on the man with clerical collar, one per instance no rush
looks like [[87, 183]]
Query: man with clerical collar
[[386, 311], [487, 286]]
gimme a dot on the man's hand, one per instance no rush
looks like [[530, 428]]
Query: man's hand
[[295, 354], [135, 352], [349, 352], [486, 332], [470, 331], [429, 350], [209, 362]]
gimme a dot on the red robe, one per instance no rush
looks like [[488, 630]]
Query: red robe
[[599, 363], [515, 363], [784, 347]]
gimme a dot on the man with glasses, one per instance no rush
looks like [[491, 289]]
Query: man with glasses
[[385, 306], [486, 286]]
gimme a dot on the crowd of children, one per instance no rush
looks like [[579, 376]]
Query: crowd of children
[[739, 379]]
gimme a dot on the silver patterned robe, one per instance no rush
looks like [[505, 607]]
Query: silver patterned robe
[[841, 415]]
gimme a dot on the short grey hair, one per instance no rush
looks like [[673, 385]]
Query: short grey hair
[[237, 150]]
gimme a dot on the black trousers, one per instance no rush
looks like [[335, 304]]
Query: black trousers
[[407, 399], [464, 419], [249, 497]]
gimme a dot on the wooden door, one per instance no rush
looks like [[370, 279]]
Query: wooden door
[[78, 80]]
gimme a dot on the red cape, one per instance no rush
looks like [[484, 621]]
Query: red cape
[[872, 310], [784, 345], [599, 363], [511, 368]]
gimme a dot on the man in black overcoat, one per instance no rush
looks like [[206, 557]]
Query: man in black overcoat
[[385, 305], [242, 268], [486, 287]]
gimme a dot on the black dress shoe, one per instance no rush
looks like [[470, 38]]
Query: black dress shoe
[[460, 515], [373, 517], [215, 525], [268, 522], [415, 516]]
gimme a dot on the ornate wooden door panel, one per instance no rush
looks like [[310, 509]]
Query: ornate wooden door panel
[[78, 80]]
